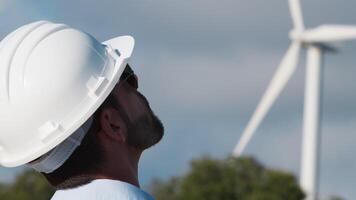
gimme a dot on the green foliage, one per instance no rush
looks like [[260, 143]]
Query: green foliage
[[166, 190], [335, 198], [230, 179], [29, 185], [208, 179]]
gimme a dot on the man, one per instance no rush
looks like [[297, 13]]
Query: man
[[108, 157], [100, 159]]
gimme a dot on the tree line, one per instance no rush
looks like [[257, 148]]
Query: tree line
[[207, 179]]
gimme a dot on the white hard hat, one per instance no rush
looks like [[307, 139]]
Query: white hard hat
[[52, 79]]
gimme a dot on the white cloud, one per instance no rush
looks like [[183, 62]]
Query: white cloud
[[210, 83]]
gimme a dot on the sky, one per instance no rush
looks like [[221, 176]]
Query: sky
[[204, 65]]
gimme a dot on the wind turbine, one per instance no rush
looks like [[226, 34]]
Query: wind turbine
[[316, 41]]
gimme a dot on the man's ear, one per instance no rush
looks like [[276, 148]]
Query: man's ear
[[112, 125]]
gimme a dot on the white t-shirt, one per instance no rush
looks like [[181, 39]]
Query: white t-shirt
[[103, 189]]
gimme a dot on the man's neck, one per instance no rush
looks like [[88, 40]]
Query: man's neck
[[123, 168]]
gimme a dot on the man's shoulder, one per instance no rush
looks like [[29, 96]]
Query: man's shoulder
[[103, 189]]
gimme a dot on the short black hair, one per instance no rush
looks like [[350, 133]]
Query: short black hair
[[85, 159]]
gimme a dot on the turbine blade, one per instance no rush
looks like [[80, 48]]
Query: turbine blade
[[279, 81], [297, 16], [330, 33]]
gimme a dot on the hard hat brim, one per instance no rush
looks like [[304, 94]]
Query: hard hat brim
[[124, 44]]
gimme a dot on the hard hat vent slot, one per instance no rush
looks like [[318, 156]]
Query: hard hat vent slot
[[117, 52], [49, 131], [96, 86]]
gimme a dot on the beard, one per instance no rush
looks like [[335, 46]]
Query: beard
[[145, 131]]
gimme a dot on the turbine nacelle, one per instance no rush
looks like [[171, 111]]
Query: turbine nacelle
[[324, 34], [305, 39]]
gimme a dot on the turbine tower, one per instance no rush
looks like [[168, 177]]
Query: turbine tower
[[317, 42]]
